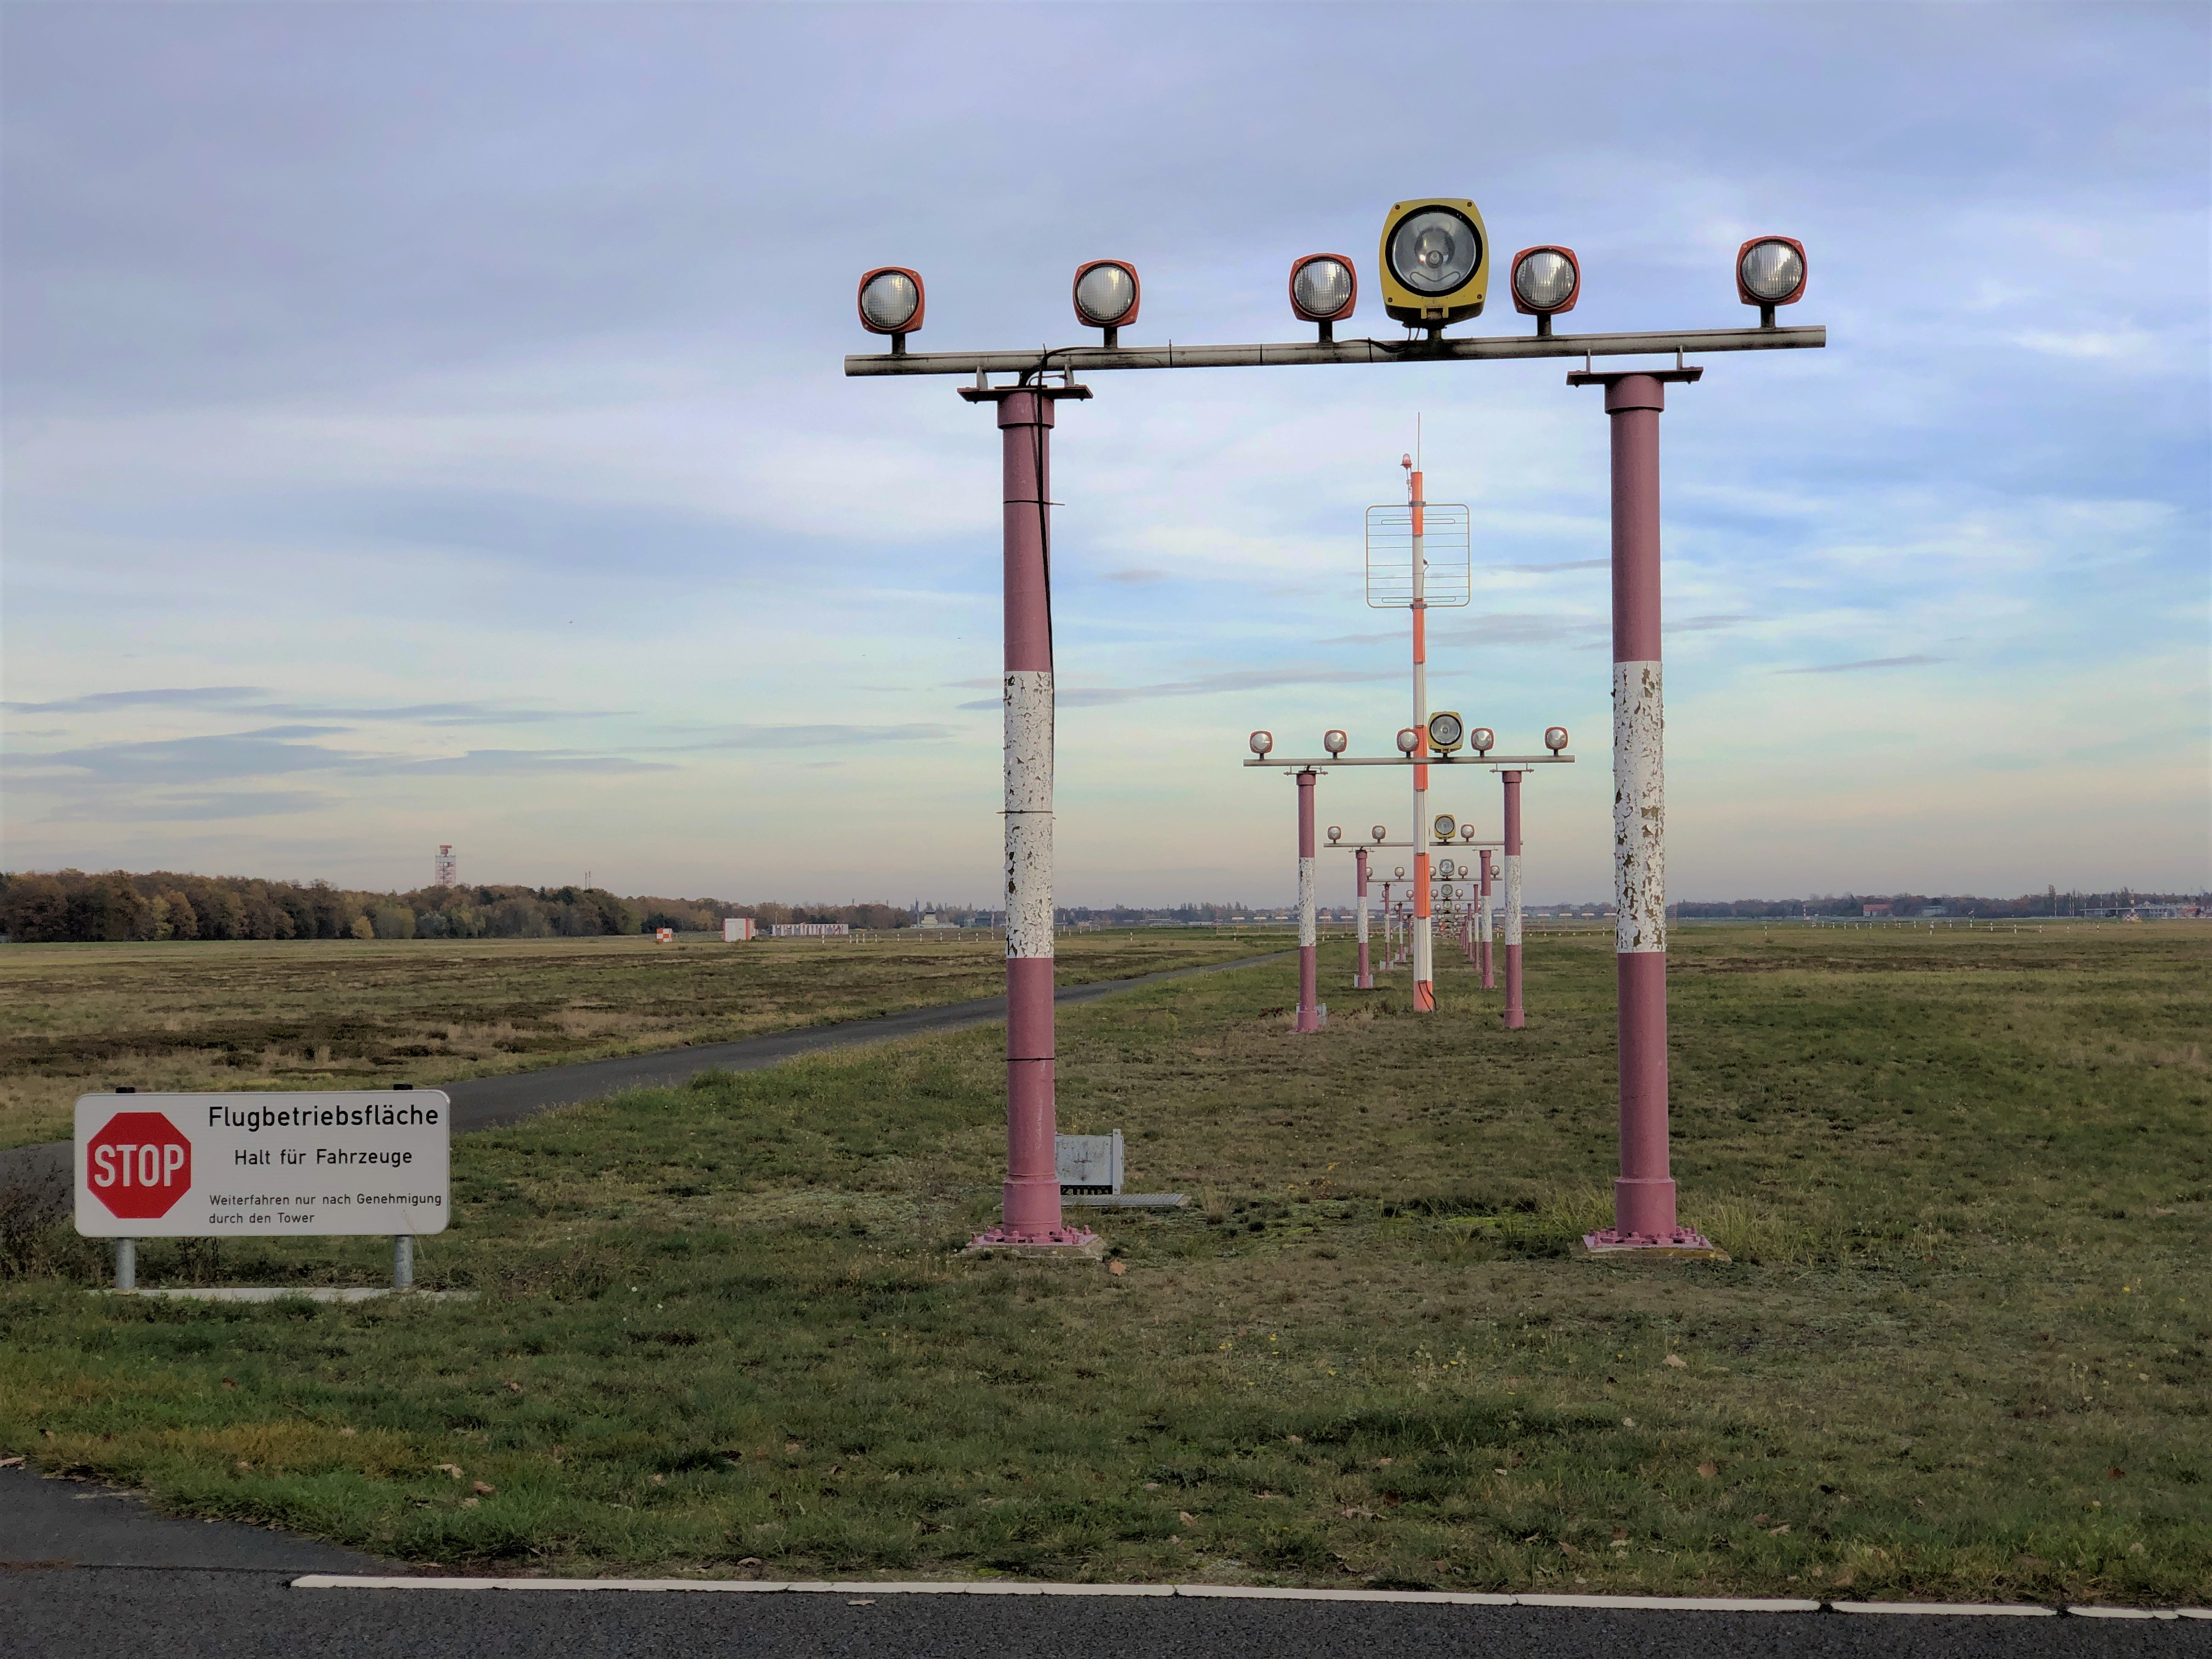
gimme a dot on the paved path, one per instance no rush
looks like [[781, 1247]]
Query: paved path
[[87, 1573], [491, 1102]]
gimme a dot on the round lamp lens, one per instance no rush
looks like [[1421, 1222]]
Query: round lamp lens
[[1773, 272], [1445, 730], [1483, 738], [1262, 742], [1446, 826], [1544, 279], [1105, 295], [1555, 739], [1402, 873], [1335, 742], [1408, 740], [890, 301], [1322, 288], [1435, 251], [1378, 832], [1467, 832], [1336, 832]]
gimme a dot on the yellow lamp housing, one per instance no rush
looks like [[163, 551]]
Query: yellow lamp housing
[[1435, 261], [1447, 731]]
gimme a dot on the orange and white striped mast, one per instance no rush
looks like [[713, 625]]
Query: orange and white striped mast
[[1424, 972]]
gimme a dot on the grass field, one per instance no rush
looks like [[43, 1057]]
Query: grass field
[[338, 1014], [1964, 1349]]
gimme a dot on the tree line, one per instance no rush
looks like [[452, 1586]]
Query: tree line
[[68, 906], [2049, 902]]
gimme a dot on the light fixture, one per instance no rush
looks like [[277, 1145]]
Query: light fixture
[[1408, 740], [1445, 826], [1770, 271], [892, 302], [1378, 832], [1435, 262], [1402, 873], [1547, 281], [1467, 832], [1262, 742], [1324, 289], [1106, 296], [1335, 742], [1482, 739], [1335, 833], [1446, 731], [1555, 738]]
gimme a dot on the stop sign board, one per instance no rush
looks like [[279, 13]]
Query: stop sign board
[[138, 1164], [266, 1161]]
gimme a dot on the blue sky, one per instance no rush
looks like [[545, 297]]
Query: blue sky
[[427, 423]]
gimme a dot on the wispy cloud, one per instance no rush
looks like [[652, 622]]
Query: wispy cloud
[[813, 736], [277, 751], [1204, 686], [1136, 578], [140, 807], [259, 700], [1866, 663], [1566, 565]]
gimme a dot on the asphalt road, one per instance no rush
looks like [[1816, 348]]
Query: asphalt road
[[85, 1573], [491, 1102]]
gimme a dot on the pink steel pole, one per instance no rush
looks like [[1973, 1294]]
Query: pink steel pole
[[1644, 1197], [1515, 1017], [1482, 925], [1309, 954], [1364, 979], [1032, 1215]]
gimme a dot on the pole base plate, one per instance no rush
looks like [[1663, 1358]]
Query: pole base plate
[[1682, 1244], [1058, 1244]]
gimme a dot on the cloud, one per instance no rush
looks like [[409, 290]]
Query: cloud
[[2091, 344], [141, 808], [259, 700], [1136, 577], [224, 698], [1546, 569], [515, 763], [279, 751], [816, 736], [1242, 679], [1870, 662]]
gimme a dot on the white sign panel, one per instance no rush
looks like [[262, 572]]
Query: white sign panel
[[195, 1166]]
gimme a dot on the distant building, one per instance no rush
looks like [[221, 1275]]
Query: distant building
[[444, 869], [1874, 910]]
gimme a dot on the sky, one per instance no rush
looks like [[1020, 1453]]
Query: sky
[[427, 423]]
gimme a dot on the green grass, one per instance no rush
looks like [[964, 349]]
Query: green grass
[[1961, 1352], [347, 1014]]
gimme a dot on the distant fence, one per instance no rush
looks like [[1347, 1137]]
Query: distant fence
[[809, 930]]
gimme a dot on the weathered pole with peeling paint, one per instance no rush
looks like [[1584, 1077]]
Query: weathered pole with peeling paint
[[1309, 1015], [1643, 1196], [1482, 925], [1363, 978], [1031, 1215], [1515, 1017]]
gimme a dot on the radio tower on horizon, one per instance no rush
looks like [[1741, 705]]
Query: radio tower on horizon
[[444, 869]]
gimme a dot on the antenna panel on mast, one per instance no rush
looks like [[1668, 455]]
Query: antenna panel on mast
[[1448, 535]]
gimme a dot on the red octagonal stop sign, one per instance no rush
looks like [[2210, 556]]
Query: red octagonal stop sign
[[138, 1164]]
